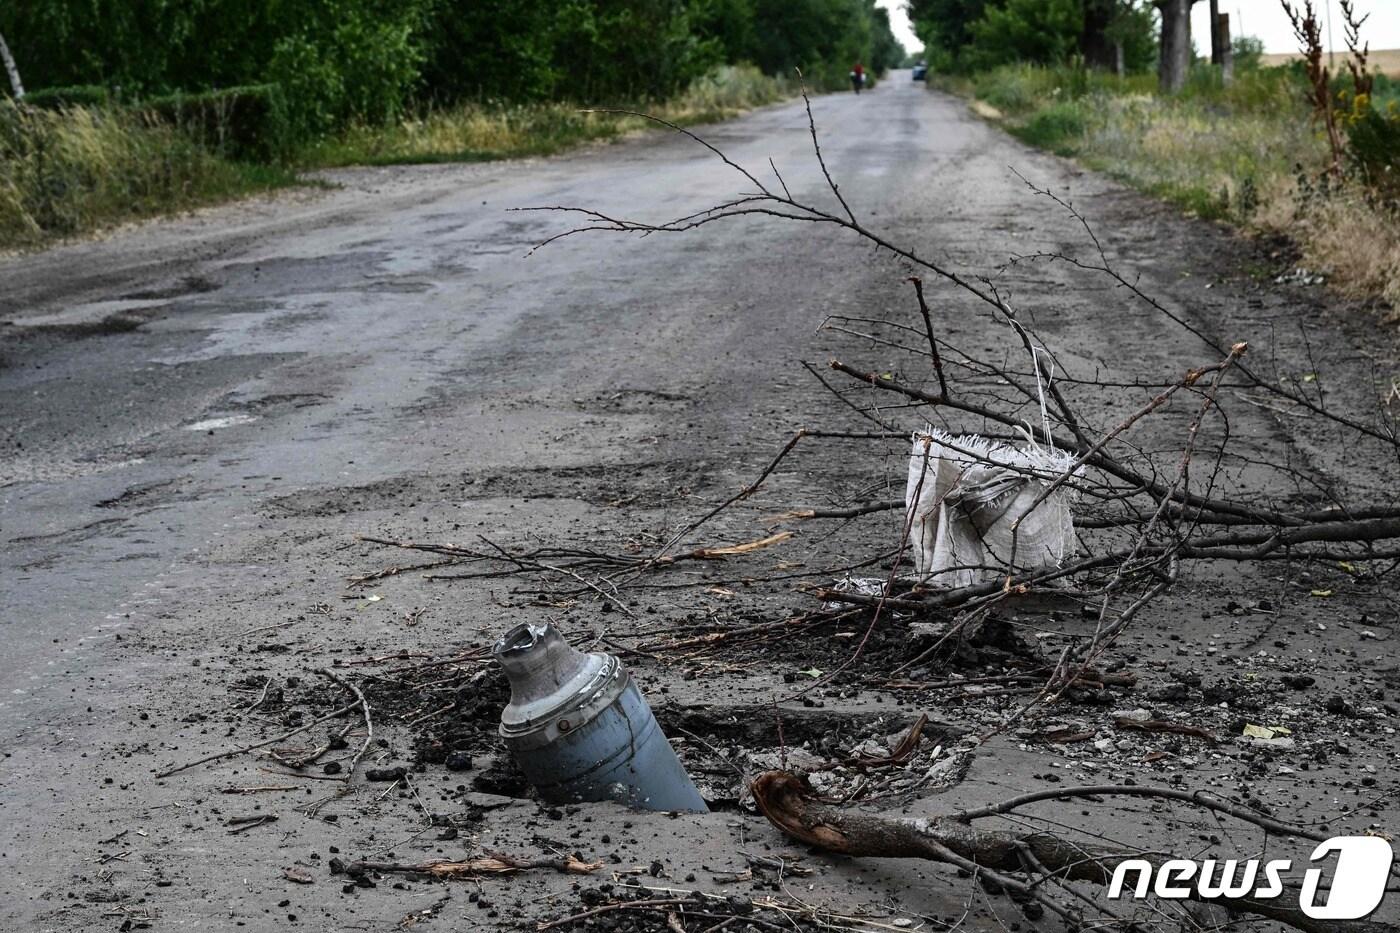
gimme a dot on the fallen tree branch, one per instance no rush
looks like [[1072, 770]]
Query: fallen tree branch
[[364, 709], [257, 745], [494, 863], [790, 806]]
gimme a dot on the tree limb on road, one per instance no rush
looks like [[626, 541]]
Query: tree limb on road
[[789, 805]]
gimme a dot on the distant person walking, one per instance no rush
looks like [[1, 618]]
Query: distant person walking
[[857, 77]]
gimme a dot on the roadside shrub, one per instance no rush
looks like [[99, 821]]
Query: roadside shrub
[[1249, 153], [313, 86], [1354, 239], [1248, 53], [379, 62], [240, 122], [1373, 149], [1385, 92], [81, 95], [363, 72], [1026, 30], [726, 91], [1059, 127], [1261, 90], [495, 129], [64, 172], [1018, 89], [1014, 89]]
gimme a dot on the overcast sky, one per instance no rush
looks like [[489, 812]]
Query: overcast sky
[[1262, 18]]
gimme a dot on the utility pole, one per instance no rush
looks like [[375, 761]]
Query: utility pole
[[1227, 49], [15, 84], [1216, 56], [1331, 54]]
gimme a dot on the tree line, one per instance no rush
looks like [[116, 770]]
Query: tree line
[[372, 60], [968, 35]]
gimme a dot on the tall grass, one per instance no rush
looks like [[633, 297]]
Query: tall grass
[[1233, 153], [489, 130], [74, 170]]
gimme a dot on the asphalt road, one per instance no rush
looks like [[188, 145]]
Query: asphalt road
[[197, 415]]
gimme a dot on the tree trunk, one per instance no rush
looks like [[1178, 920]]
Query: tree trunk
[[1217, 56], [1094, 44], [1175, 45], [11, 70], [1227, 50]]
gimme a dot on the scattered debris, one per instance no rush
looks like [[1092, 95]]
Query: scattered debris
[[978, 509], [1026, 862], [491, 864]]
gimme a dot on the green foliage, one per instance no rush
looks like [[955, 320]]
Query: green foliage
[[374, 62], [474, 132], [162, 104], [885, 50], [1134, 27], [1373, 148], [1385, 93], [1248, 52], [240, 122], [1255, 91], [56, 98], [967, 35], [1219, 152], [357, 69], [945, 26], [1021, 89], [627, 50], [1026, 30], [68, 171], [1059, 127], [492, 48]]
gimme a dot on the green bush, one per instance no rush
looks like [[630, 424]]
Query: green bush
[[1045, 31], [1373, 150], [312, 84], [1258, 90], [1018, 89], [80, 95], [967, 35], [1385, 93], [495, 130], [68, 171], [240, 122], [1248, 53], [371, 62], [1059, 128], [1014, 89]]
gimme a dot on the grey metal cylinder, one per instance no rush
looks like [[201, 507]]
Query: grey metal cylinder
[[581, 730]]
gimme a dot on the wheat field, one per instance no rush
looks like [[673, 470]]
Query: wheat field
[[1387, 60]]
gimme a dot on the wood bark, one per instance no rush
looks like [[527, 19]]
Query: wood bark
[[787, 803], [1216, 55], [1175, 45], [1227, 49], [16, 85], [1098, 50]]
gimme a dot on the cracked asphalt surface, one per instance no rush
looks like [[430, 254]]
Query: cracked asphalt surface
[[198, 415]]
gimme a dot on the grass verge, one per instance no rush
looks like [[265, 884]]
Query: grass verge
[[70, 171], [1248, 154], [84, 167], [479, 132]]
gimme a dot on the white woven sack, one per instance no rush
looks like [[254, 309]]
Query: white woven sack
[[962, 502]]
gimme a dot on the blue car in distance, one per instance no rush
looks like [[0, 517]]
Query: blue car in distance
[[920, 70]]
